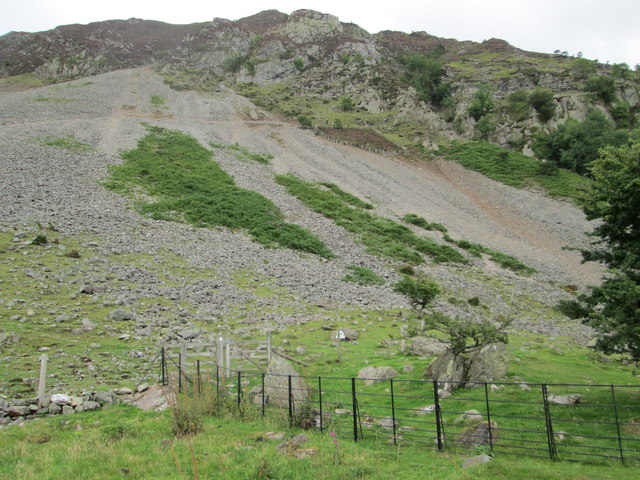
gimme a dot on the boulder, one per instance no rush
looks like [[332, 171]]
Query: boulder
[[17, 411], [105, 398], [485, 365], [345, 335], [88, 406], [571, 399], [154, 399], [424, 346], [121, 315], [372, 375], [289, 446], [470, 417], [54, 408], [276, 384], [477, 460], [478, 435]]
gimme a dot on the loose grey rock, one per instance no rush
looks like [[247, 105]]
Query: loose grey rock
[[376, 374], [121, 315], [292, 444], [477, 460], [571, 399], [276, 384], [424, 346]]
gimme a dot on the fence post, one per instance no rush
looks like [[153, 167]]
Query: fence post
[[219, 351], [290, 401], [436, 398], [268, 348], [42, 381], [320, 403], [615, 410], [354, 402], [486, 398], [198, 376], [263, 394], [218, 380], [239, 386], [228, 353], [163, 367], [393, 412], [553, 452], [180, 372]]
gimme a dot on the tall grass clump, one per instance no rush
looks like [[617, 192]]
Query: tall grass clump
[[362, 276], [421, 222], [381, 236], [180, 181]]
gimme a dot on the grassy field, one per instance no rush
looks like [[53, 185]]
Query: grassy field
[[123, 442]]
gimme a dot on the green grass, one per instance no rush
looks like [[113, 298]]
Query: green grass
[[421, 222], [243, 153], [68, 143], [362, 276], [185, 184], [157, 100], [124, 442], [502, 259], [515, 169], [381, 236], [55, 100]]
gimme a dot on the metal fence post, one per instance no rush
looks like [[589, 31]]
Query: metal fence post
[[320, 403], [436, 398], [198, 376], [486, 398], [239, 386], [180, 372], [615, 410], [290, 401], [263, 394], [354, 401], [393, 412], [218, 379], [553, 452], [163, 367]]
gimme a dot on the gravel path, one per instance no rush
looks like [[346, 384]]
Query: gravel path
[[47, 184]]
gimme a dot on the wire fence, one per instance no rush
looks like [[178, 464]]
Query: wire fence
[[573, 422]]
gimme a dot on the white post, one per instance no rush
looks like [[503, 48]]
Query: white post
[[43, 380], [228, 357]]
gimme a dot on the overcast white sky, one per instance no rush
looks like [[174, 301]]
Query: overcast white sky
[[607, 30]]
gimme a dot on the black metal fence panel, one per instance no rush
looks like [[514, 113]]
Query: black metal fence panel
[[574, 422]]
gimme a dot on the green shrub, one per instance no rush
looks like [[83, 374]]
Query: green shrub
[[417, 220], [420, 291], [517, 105], [347, 197], [380, 235], [305, 121], [362, 276], [234, 63], [187, 185], [603, 86], [426, 76], [299, 64], [346, 104], [541, 99], [483, 103]]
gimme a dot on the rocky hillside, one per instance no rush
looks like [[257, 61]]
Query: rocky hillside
[[414, 91]]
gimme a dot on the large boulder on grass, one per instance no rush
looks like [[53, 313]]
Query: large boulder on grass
[[454, 371], [424, 347], [372, 375], [276, 385]]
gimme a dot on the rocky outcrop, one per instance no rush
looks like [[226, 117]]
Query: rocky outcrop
[[276, 385]]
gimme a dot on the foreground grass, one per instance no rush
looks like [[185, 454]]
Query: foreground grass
[[123, 442], [515, 169], [183, 183]]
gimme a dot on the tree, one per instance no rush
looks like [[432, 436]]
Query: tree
[[602, 86], [541, 99], [574, 144], [613, 308], [463, 335], [483, 103], [426, 75]]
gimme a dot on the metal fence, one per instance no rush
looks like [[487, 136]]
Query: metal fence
[[574, 422]]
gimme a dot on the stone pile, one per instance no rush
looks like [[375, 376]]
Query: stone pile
[[16, 411]]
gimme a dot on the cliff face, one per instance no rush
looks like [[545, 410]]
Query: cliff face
[[307, 62]]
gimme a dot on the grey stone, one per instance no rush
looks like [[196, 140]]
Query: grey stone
[[426, 410], [477, 460], [105, 398], [142, 387], [486, 365], [276, 384], [571, 399], [55, 409], [88, 325], [345, 334], [15, 411], [121, 315], [376, 374], [61, 399], [293, 444], [424, 346], [67, 410], [481, 434], [470, 417], [88, 405]]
